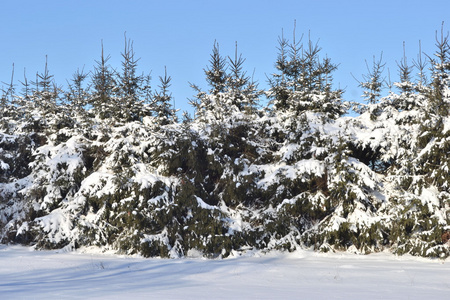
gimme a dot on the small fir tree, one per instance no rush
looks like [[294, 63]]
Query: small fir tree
[[162, 102]]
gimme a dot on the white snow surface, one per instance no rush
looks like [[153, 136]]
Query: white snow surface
[[28, 274]]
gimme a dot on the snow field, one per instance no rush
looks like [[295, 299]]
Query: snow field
[[28, 274]]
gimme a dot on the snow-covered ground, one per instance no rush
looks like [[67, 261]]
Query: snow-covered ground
[[28, 274]]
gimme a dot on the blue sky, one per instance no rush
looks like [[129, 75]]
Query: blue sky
[[180, 35]]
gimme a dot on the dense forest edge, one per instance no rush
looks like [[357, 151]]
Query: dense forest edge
[[108, 161]]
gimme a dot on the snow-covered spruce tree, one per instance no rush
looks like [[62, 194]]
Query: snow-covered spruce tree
[[209, 108], [187, 218], [379, 147], [118, 202], [428, 203], [125, 189], [355, 204], [226, 114], [373, 81], [130, 104], [77, 98], [162, 102], [120, 207], [239, 145], [304, 81], [103, 84], [303, 132], [398, 142], [231, 91], [18, 107], [15, 156], [242, 89], [40, 109], [99, 192], [6, 111], [43, 126], [77, 170], [119, 97], [206, 155], [8, 114]]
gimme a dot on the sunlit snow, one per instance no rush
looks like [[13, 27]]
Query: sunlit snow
[[27, 274]]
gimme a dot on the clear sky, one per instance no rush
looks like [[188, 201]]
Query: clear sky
[[180, 35]]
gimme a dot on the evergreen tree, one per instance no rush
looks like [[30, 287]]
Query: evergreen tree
[[440, 67], [230, 92], [434, 139], [208, 106], [406, 100], [216, 75], [129, 98], [78, 94], [373, 80], [288, 64], [305, 81], [7, 111], [47, 93], [77, 98], [103, 84], [42, 109], [242, 89], [421, 66], [162, 105]]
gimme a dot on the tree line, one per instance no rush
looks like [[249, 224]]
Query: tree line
[[107, 162]]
